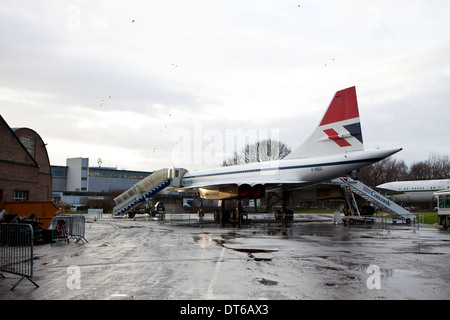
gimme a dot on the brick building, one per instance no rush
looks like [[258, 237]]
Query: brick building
[[25, 173]]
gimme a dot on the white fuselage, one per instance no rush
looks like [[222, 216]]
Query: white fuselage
[[414, 191], [294, 171]]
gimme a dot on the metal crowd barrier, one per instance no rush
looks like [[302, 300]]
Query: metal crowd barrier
[[383, 223], [16, 251], [66, 227]]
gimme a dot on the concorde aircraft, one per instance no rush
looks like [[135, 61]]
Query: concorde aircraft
[[335, 148], [415, 191]]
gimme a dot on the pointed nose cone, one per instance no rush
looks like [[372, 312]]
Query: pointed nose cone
[[380, 154], [384, 153], [385, 186]]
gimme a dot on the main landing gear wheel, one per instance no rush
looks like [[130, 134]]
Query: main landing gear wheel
[[284, 214], [217, 215]]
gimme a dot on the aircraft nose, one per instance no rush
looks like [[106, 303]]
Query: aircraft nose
[[386, 186], [390, 152], [384, 153]]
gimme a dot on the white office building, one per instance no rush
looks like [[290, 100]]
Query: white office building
[[77, 181]]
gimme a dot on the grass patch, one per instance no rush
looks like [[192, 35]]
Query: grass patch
[[430, 218], [74, 212], [315, 211]]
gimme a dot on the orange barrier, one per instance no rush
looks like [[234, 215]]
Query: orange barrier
[[43, 210]]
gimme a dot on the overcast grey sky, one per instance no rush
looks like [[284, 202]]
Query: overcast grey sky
[[137, 82]]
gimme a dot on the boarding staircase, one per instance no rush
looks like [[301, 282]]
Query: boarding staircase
[[144, 190], [351, 186]]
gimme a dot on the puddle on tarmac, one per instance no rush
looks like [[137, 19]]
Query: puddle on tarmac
[[267, 282], [226, 237], [248, 251], [243, 241], [418, 249]]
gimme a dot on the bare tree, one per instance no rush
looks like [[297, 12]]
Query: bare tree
[[260, 151], [108, 200], [436, 167], [386, 170], [419, 171]]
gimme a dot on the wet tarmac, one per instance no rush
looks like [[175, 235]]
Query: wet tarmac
[[309, 258]]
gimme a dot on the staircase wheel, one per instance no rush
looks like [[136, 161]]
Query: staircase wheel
[[444, 222], [277, 214]]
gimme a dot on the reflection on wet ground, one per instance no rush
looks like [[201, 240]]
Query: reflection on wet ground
[[189, 258], [346, 256]]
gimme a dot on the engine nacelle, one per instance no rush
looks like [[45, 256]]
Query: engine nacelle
[[251, 192], [244, 191], [258, 191], [232, 191]]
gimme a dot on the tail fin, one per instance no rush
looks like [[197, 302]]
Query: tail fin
[[339, 130]]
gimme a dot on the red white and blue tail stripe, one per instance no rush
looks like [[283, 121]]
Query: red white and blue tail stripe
[[339, 131]]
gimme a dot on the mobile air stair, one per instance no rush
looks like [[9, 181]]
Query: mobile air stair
[[351, 186], [144, 190]]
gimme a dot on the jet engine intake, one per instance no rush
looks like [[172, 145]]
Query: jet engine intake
[[251, 192], [244, 191], [258, 191]]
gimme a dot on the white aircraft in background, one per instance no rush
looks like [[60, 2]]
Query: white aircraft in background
[[414, 191], [335, 148]]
